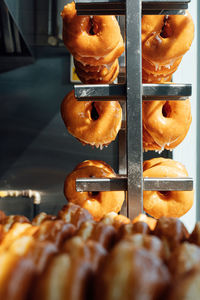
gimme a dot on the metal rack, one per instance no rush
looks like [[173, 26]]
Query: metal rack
[[132, 93]]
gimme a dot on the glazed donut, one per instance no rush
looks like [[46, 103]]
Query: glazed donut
[[170, 203], [131, 273], [157, 69], [97, 203], [74, 214], [164, 126], [95, 123], [105, 75], [184, 258], [151, 222], [166, 38], [186, 286], [104, 234], [153, 78], [115, 220], [91, 38], [65, 277]]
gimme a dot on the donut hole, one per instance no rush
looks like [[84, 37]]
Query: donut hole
[[166, 31], [165, 193], [93, 194], [93, 27], [94, 112], [166, 110]]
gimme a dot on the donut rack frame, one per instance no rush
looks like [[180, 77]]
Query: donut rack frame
[[131, 94]]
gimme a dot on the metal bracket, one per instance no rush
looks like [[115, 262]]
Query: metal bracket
[[118, 7], [108, 92], [120, 184]]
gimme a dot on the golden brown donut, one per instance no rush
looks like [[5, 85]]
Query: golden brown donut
[[170, 203], [158, 69], [8, 221], [184, 258], [148, 242], [166, 38], [97, 203], [95, 123], [2, 216], [91, 39], [131, 229], [74, 214], [131, 273], [163, 121], [153, 78], [172, 232], [65, 277], [105, 75], [114, 219], [144, 218], [90, 251], [16, 274], [195, 235], [42, 217], [98, 231], [17, 231], [56, 231], [186, 287]]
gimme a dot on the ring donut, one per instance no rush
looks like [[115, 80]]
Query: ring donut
[[163, 121], [153, 78], [104, 75], [158, 69], [95, 123], [97, 203], [91, 39], [165, 38], [169, 203]]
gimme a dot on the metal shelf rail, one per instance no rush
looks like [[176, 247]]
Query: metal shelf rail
[[132, 93]]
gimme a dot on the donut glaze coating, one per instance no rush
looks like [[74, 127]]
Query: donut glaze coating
[[95, 123], [166, 122], [170, 203], [165, 38], [91, 37], [97, 203]]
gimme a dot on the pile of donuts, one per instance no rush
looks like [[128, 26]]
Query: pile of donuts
[[165, 39], [71, 256], [155, 203], [95, 43]]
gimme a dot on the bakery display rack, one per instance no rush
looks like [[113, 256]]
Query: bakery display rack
[[131, 94]]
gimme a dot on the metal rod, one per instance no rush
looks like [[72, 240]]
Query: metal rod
[[120, 184], [122, 154], [100, 92], [134, 109], [166, 91], [117, 92], [118, 7]]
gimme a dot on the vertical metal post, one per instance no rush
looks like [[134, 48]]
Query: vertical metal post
[[134, 108]]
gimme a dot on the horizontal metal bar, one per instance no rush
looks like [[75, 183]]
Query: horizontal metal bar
[[120, 184], [168, 184], [100, 92], [106, 92], [166, 91], [118, 7], [101, 184]]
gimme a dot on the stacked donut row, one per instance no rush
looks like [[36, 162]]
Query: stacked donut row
[[155, 203], [95, 42], [165, 39], [70, 256], [97, 123]]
